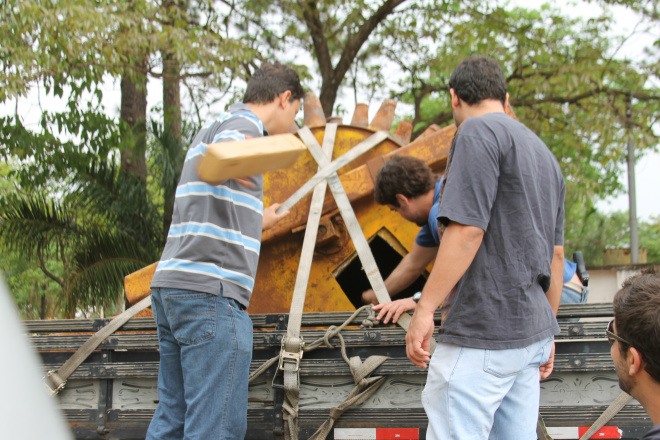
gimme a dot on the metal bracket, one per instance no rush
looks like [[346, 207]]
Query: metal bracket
[[372, 336], [288, 357], [47, 383]]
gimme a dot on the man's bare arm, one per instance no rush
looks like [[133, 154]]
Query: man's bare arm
[[554, 297], [458, 248], [557, 278], [406, 272]]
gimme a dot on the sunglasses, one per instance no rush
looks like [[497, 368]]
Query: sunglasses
[[611, 336]]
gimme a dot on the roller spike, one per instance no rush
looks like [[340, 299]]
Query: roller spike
[[403, 131], [361, 115], [314, 116], [429, 131], [385, 116]]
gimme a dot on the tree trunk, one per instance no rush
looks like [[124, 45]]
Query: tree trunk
[[172, 129], [42, 312], [134, 114], [171, 95], [333, 75], [328, 95]]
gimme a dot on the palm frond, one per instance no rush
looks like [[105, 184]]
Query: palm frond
[[119, 200], [29, 223], [169, 152], [101, 264]]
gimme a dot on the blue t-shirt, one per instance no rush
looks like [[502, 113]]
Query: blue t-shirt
[[569, 270], [428, 235]]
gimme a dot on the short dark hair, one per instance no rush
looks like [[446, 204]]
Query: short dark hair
[[403, 175], [478, 78], [637, 318], [269, 81]]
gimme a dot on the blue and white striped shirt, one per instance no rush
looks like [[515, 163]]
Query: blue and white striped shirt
[[215, 236]]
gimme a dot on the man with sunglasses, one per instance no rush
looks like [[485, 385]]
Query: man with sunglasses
[[634, 334]]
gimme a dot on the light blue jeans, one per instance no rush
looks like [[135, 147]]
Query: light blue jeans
[[572, 296], [476, 394], [205, 344]]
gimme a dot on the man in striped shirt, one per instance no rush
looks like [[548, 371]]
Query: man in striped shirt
[[205, 277]]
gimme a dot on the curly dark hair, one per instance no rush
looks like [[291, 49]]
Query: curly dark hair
[[478, 78], [637, 318], [403, 175], [269, 81]]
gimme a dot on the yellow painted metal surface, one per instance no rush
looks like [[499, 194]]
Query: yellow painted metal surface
[[278, 264], [136, 285], [281, 247]]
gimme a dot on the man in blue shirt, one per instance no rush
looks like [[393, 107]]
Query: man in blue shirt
[[573, 291], [408, 186]]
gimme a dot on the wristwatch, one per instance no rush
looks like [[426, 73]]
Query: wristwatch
[[417, 296]]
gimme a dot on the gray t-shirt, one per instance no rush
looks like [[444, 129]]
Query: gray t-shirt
[[215, 236], [504, 180]]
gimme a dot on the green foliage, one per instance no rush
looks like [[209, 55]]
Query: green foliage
[[591, 232], [77, 217], [649, 239], [85, 238], [94, 247], [565, 79], [35, 296], [69, 48]]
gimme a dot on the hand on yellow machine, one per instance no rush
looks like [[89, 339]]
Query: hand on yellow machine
[[271, 217]]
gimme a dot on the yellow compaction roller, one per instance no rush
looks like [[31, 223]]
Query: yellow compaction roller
[[336, 278]]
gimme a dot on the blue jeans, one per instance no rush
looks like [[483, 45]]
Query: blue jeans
[[572, 296], [476, 394], [205, 344]]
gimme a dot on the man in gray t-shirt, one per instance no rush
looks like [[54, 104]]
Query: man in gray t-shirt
[[498, 271]]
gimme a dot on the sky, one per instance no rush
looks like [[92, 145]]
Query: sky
[[647, 168]]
